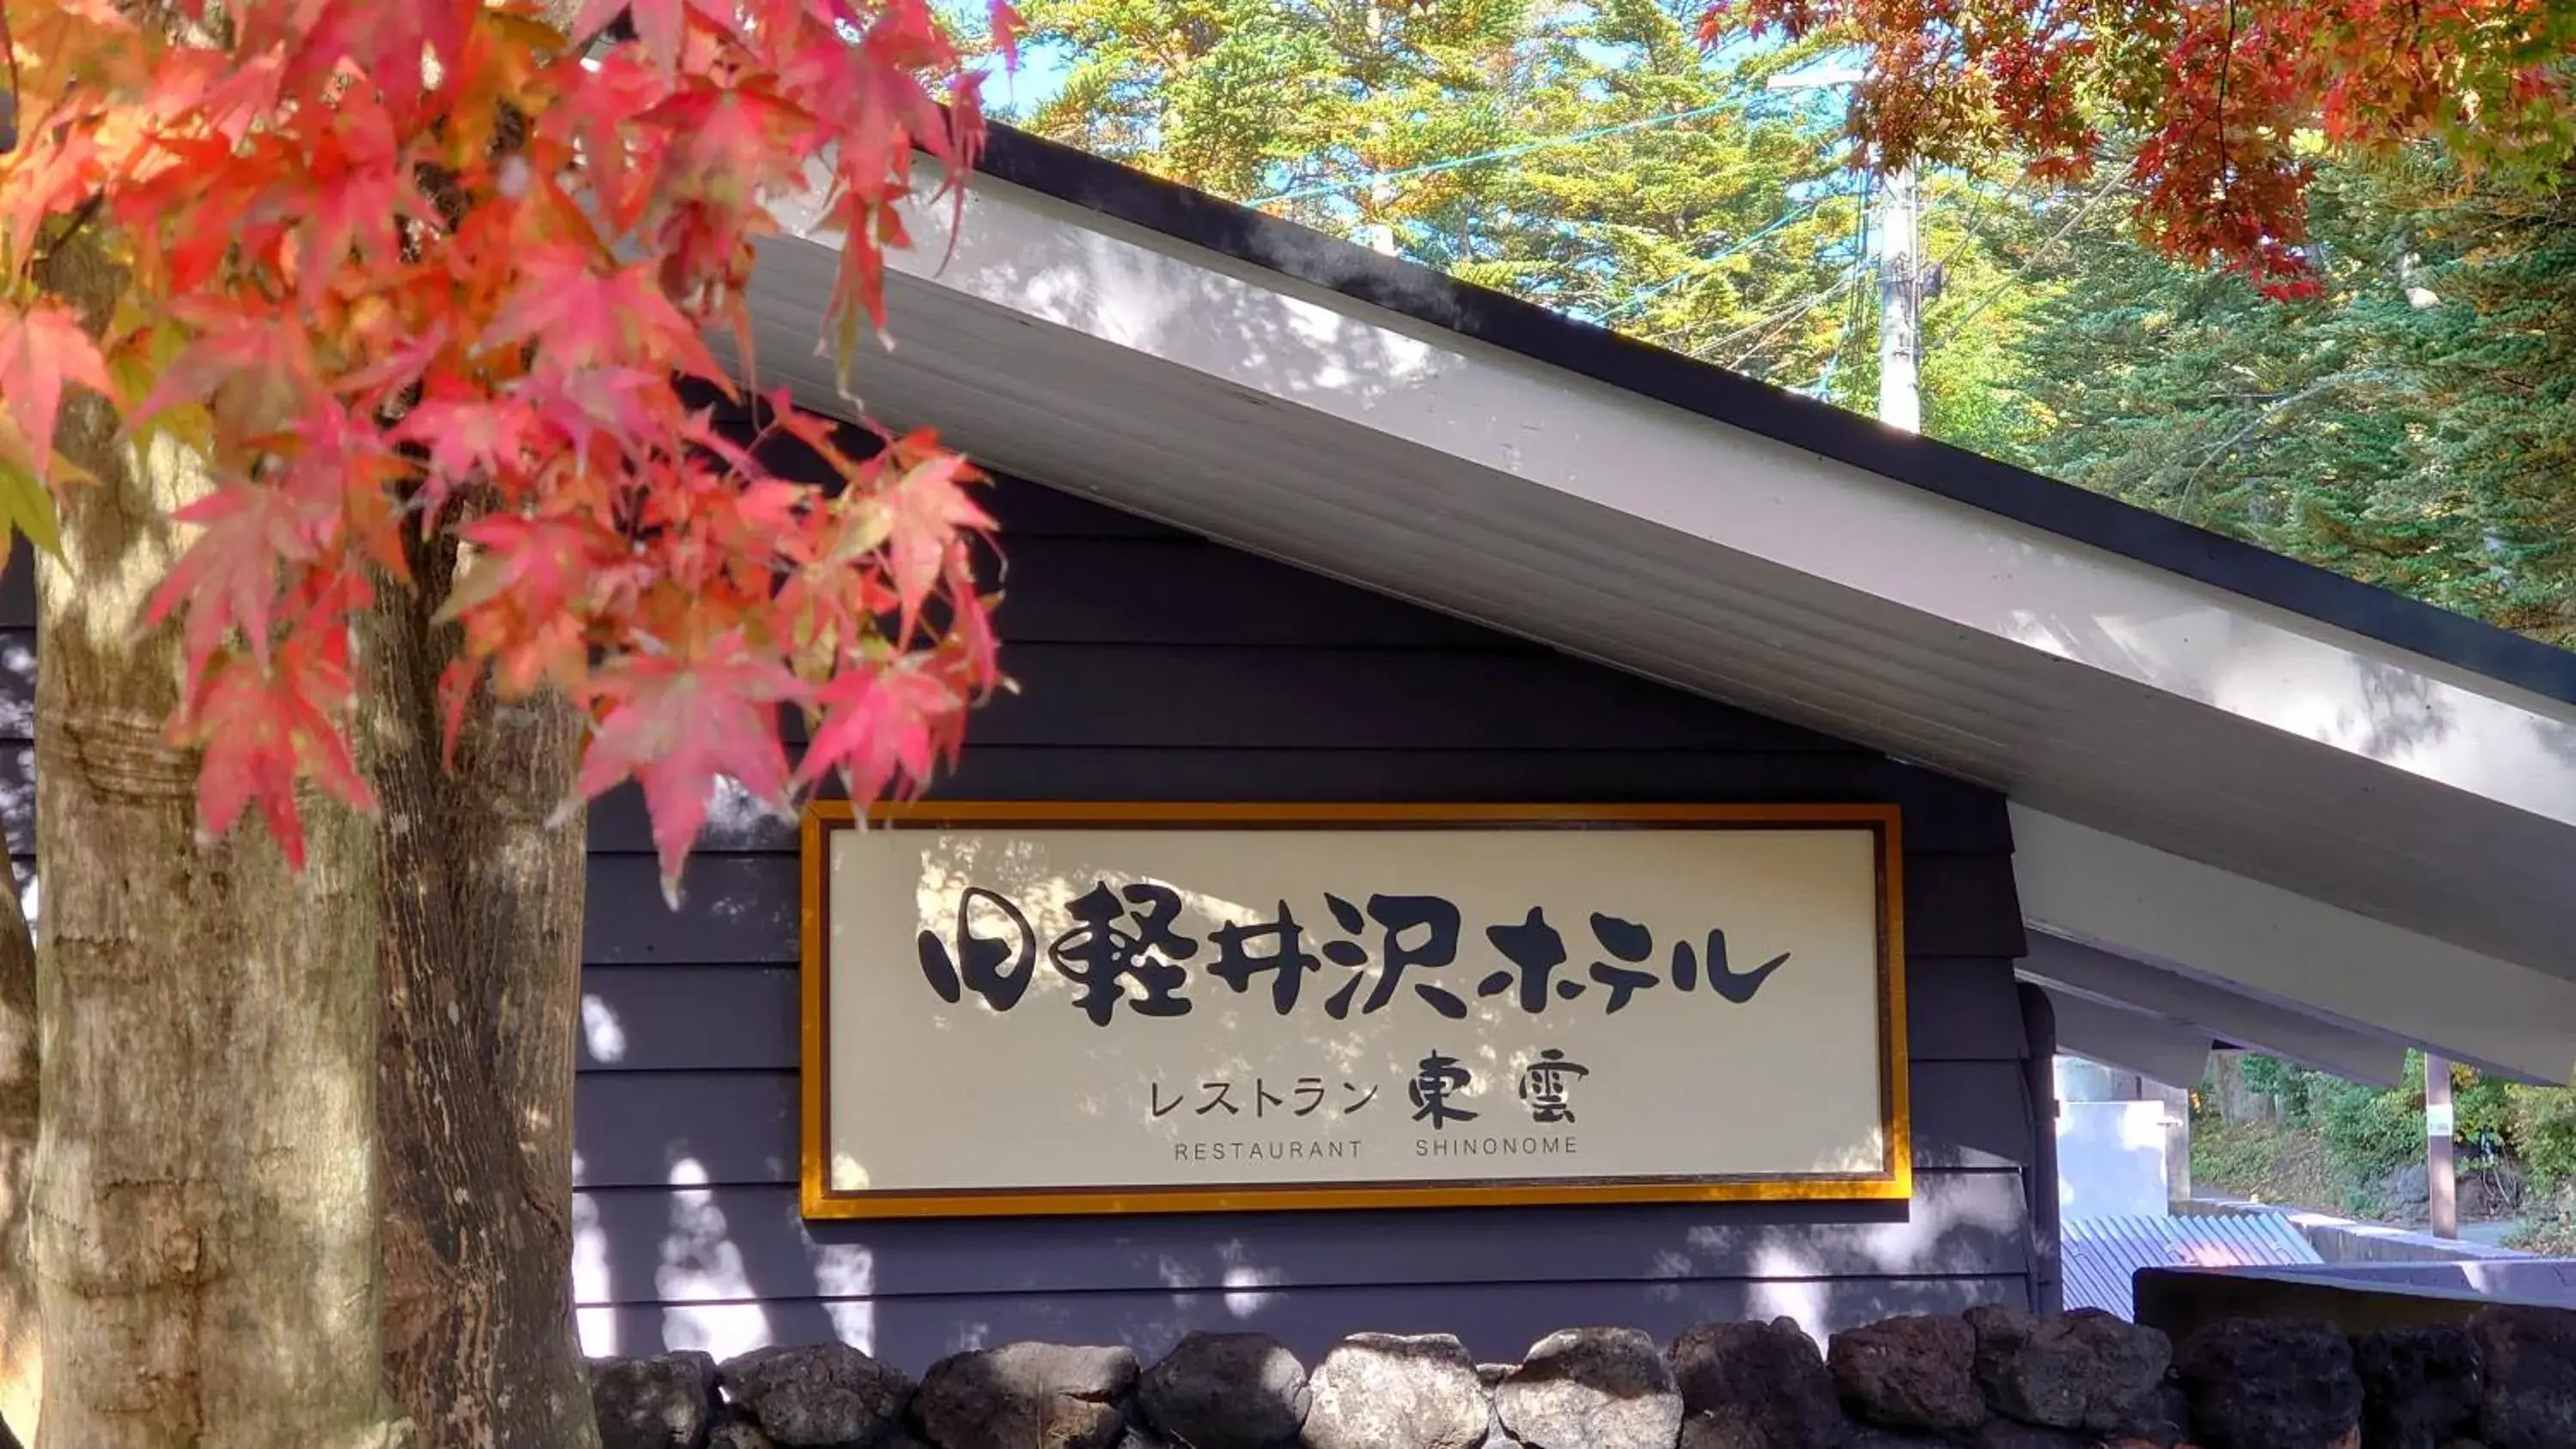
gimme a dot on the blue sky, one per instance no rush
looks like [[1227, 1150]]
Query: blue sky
[[1043, 67], [1039, 76]]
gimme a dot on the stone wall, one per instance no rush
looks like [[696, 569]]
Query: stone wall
[[1992, 1379]]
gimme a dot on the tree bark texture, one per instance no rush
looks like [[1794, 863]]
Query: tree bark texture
[[206, 1202], [22, 1351], [481, 965], [482, 900]]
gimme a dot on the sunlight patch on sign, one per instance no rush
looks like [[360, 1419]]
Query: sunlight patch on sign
[[1863, 1154]]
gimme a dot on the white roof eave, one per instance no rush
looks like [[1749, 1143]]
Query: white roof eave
[[2422, 816]]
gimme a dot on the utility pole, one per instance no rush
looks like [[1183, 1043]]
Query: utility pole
[[2440, 1177], [1900, 301], [1897, 220]]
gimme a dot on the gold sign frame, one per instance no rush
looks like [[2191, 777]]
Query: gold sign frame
[[1892, 1181]]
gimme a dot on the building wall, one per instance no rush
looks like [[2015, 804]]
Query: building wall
[[1155, 665]]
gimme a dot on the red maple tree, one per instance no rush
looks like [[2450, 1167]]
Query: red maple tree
[[393, 269], [2225, 104]]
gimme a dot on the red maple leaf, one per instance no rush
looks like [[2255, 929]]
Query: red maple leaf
[[63, 171], [543, 563], [356, 191], [925, 505], [229, 577], [618, 161], [41, 349], [263, 728], [587, 318], [465, 432], [527, 600], [250, 352], [655, 569], [587, 403], [1003, 24], [879, 729], [382, 41], [658, 24], [674, 724], [731, 143]]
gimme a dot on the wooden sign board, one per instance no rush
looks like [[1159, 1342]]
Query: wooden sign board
[[1068, 1008]]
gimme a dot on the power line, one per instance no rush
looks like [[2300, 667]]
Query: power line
[[1504, 153], [1977, 229], [1770, 323], [1640, 299], [1859, 307], [2020, 273]]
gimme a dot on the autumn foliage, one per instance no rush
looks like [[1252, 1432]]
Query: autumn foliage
[[2223, 104], [403, 271]]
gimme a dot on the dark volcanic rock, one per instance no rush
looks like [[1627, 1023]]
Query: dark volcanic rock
[[818, 1396], [2162, 1420], [1388, 1391], [2530, 1362], [1592, 1388], [2420, 1387], [2267, 1384], [1730, 1428], [1914, 1373], [1053, 1394], [2080, 1370], [662, 1402], [1756, 1386], [743, 1434], [2003, 1433], [1227, 1391]]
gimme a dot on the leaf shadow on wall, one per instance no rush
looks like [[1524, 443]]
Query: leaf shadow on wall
[[692, 1237]]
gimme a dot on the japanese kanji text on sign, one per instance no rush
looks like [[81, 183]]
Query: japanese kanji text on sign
[[1066, 1008]]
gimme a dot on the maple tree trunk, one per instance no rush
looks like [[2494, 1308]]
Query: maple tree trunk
[[206, 1191], [481, 965], [22, 1350], [481, 958]]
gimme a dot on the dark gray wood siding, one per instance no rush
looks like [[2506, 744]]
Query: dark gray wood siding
[[1156, 665]]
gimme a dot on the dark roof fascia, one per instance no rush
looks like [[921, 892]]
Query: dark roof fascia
[[1423, 295]]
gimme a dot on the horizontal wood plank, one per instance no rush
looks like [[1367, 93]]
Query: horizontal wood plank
[[1184, 696], [1497, 1322], [1963, 1009], [18, 585], [1971, 1115], [689, 1018], [18, 797], [734, 909], [1182, 590], [18, 683], [1942, 815], [1962, 905], [1960, 1223]]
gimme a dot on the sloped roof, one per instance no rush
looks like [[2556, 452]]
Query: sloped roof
[[2103, 1255], [2224, 764]]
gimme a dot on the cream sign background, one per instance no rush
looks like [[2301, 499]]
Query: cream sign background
[[1016, 1097]]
